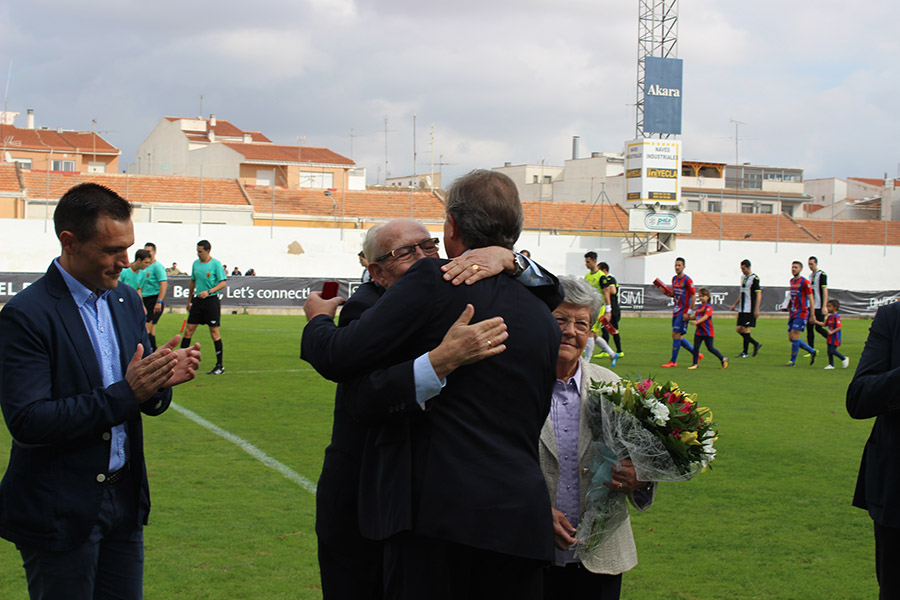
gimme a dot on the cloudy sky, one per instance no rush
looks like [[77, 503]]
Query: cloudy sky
[[816, 84]]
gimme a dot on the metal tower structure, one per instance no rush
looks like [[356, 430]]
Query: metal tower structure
[[657, 36]]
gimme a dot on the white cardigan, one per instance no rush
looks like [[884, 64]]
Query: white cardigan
[[618, 553]]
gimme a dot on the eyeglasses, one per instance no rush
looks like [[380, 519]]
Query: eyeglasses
[[580, 326], [429, 247]]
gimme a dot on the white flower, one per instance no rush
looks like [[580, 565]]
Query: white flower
[[660, 413]]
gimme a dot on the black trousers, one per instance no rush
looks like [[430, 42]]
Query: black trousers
[[887, 557], [419, 568], [812, 329], [574, 581]]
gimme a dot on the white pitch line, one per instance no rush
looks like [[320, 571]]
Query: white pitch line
[[249, 448]]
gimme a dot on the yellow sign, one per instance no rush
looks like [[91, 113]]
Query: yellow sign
[[662, 173]]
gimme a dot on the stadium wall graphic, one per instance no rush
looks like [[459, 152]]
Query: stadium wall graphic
[[292, 292]]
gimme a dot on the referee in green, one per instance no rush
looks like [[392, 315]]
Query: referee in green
[[153, 291], [207, 280]]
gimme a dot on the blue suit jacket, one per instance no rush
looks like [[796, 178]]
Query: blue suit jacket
[[60, 414]]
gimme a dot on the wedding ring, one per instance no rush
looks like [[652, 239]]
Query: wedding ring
[[490, 344], [474, 267], [620, 485]]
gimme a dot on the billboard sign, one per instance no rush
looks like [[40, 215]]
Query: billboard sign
[[651, 221], [653, 171], [662, 95]]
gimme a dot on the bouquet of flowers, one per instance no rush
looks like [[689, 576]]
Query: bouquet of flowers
[[661, 428]]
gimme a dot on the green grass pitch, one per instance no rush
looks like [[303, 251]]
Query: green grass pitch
[[771, 519]]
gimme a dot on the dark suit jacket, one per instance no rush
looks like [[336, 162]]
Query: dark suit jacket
[[475, 473], [355, 403], [60, 415], [875, 392]]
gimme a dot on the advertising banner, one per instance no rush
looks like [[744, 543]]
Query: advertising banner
[[659, 221], [292, 292], [662, 95], [653, 171]]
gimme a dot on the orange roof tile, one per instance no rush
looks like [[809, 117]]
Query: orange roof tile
[[140, 188], [9, 182], [356, 203], [223, 128], [574, 216], [278, 153], [771, 228], [875, 182], [42, 140]]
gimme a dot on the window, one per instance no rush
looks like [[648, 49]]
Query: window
[[316, 180], [766, 209], [265, 177], [747, 207], [548, 179], [535, 180], [63, 165], [713, 206], [693, 205], [787, 209], [25, 163]]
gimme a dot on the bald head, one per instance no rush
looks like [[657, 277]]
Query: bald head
[[382, 239]]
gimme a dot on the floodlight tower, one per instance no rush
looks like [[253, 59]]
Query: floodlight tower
[[657, 36]]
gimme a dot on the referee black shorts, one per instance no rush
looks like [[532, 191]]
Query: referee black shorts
[[746, 319], [205, 311], [150, 304]]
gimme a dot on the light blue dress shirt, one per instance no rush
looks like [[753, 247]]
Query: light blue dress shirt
[[95, 314]]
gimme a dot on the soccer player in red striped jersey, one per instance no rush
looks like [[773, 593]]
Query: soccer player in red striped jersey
[[683, 293], [798, 313]]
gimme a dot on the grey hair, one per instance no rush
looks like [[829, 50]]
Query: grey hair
[[371, 248], [485, 206], [578, 292]]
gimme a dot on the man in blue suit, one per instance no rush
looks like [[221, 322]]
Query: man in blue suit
[[76, 373]]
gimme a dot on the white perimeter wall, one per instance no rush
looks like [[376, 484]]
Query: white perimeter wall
[[26, 247]]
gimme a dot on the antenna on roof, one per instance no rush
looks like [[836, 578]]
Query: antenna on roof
[[200, 114], [5, 96]]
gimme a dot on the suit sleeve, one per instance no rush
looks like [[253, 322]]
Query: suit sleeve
[[383, 394], [874, 388], [33, 415], [390, 332]]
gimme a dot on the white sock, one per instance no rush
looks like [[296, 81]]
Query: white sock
[[605, 346], [589, 348]]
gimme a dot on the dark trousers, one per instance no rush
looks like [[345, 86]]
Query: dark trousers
[[418, 568], [351, 570], [574, 581], [698, 339], [812, 329], [108, 565], [887, 557]]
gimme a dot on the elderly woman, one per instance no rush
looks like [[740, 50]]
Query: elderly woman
[[565, 455]]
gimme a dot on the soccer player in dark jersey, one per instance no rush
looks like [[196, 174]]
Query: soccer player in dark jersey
[[798, 313], [818, 281], [683, 294], [748, 300], [705, 331], [609, 287], [833, 326]]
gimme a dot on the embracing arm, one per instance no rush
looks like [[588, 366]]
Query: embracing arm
[[874, 388]]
